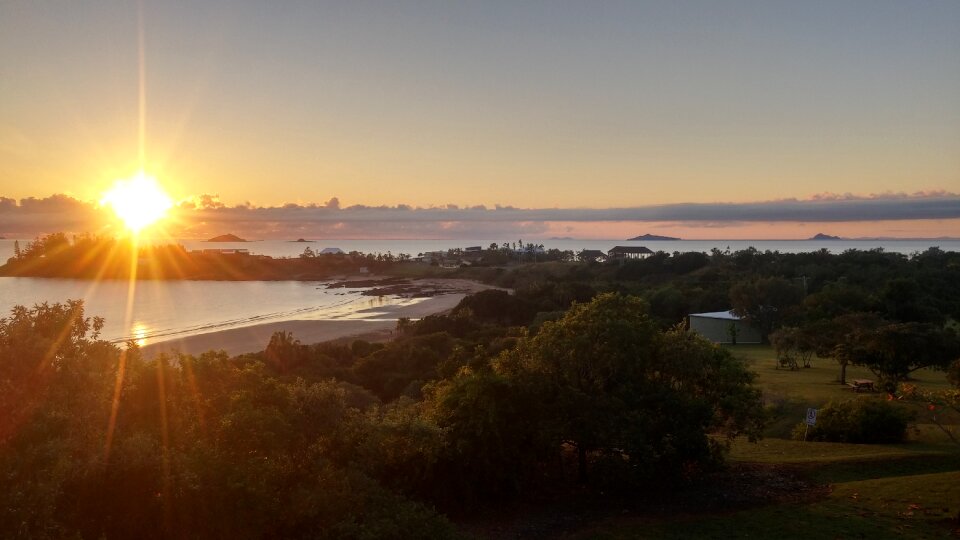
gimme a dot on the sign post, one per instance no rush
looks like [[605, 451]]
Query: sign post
[[811, 420]]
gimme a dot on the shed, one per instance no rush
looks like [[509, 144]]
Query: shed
[[720, 326], [331, 251]]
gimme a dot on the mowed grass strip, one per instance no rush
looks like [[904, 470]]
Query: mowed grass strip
[[771, 450], [909, 490], [915, 506]]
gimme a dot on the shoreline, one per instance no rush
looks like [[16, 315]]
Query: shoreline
[[371, 324]]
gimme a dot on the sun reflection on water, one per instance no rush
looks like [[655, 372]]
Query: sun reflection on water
[[138, 333]]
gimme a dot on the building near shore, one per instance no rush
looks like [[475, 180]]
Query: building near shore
[[629, 252], [591, 255], [724, 327]]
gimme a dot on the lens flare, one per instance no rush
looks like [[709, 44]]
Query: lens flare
[[138, 201]]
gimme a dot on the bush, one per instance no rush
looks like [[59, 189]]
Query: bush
[[860, 421], [953, 373]]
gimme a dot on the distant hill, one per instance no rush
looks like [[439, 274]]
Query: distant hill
[[226, 238], [651, 237], [821, 236]]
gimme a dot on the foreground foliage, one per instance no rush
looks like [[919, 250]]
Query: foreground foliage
[[358, 441], [98, 442], [630, 401]]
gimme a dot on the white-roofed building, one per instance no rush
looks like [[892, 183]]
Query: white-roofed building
[[724, 327]]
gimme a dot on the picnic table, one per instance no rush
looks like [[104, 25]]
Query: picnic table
[[861, 385]]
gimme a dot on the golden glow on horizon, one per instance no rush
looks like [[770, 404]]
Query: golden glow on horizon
[[138, 201]]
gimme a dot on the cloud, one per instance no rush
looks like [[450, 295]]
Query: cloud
[[891, 195], [205, 214], [819, 209]]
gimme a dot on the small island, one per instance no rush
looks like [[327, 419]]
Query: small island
[[821, 236], [227, 238], [650, 237], [302, 241]]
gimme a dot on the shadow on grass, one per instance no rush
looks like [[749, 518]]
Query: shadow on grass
[[781, 522], [852, 471]]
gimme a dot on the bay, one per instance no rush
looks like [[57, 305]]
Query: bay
[[161, 310]]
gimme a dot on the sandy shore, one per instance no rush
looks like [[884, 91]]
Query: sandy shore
[[373, 324]]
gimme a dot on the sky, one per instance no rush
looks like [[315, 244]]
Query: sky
[[576, 107]]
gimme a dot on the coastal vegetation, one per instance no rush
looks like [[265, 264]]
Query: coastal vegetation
[[567, 398], [358, 440], [92, 257]]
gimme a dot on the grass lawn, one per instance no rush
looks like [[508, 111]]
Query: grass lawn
[[817, 384], [909, 490], [790, 393], [914, 506]]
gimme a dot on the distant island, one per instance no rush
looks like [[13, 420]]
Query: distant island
[[227, 238], [821, 236], [651, 237], [302, 240]]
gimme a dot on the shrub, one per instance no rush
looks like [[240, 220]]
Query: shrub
[[953, 373], [861, 421]]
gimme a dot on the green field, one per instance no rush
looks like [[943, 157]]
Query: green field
[[909, 490]]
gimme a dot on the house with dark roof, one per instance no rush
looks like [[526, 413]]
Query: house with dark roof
[[629, 252]]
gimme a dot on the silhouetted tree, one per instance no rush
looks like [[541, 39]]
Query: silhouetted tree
[[765, 302]]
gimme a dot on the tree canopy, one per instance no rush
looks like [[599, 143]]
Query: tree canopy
[[606, 383]]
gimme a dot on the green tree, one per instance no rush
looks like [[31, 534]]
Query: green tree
[[794, 343], [832, 338], [765, 302], [284, 352], [613, 388], [904, 301], [494, 442], [894, 351], [733, 331], [837, 299]]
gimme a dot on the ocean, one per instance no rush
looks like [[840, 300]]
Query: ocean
[[162, 310]]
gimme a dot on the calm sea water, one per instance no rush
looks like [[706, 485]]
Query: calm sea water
[[163, 310]]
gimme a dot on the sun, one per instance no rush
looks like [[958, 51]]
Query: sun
[[138, 201]]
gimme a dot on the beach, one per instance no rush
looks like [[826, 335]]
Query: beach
[[372, 324]]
